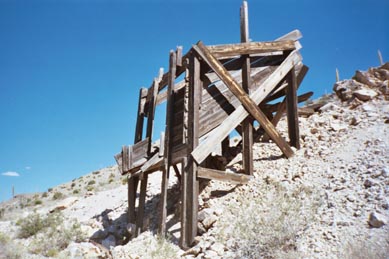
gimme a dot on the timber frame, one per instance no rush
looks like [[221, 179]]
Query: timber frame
[[226, 88]]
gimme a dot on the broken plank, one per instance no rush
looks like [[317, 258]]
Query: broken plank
[[247, 48], [223, 176]]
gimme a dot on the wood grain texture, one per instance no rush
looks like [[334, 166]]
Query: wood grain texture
[[231, 122], [223, 176], [244, 98]]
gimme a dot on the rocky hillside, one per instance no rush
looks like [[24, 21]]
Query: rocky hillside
[[331, 200]]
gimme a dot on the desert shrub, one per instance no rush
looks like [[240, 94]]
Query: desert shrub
[[34, 223], [124, 180], [8, 249], [50, 189], [111, 175], [54, 239], [57, 195], [92, 182], [50, 234], [96, 172], [89, 188], [269, 224], [37, 202], [110, 180], [76, 191], [72, 185], [44, 195]]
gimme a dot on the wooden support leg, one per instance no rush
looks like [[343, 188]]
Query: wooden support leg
[[163, 202], [141, 207], [167, 147], [132, 183], [184, 199], [192, 185], [247, 125], [292, 113]]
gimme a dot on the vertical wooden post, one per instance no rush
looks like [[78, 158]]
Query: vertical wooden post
[[184, 194], [151, 112], [192, 187], [337, 75], [247, 125], [132, 182], [291, 109], [141, 208], [167, 146], [380, 58]]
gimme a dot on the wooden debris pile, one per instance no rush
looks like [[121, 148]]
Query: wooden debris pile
[[226, 88]]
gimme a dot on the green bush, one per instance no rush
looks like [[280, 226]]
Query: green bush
[[92, 182], [37, 202], [57, 196], [35, 223], [89, 188], [76, 191], [49, 233]]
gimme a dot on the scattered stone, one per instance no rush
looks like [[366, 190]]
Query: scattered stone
[[209, 254], [368, 183], [218, 248], [376, 220], [203, 214], [209, 221], [200, 229], [193, 251], [365, 94]]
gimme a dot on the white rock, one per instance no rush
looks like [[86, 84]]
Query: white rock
[[209, 221], [365, 94]]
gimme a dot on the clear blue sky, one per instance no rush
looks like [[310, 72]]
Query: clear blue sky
[[70, 71]]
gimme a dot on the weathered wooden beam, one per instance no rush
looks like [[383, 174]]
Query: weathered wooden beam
[[247, 48], [247, 126], [291, 109], [300, 77], [275, 106], [167, 146], [244, 98], [151, 112], [132, 184], [191, 186], [141, 207], [140, 115], [126, 159], [223, 176], [240, 113]]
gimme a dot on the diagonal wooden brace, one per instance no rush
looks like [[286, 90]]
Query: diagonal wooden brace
[[243, 97]]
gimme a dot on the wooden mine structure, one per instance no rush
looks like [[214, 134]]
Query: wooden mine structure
[[226, 88]]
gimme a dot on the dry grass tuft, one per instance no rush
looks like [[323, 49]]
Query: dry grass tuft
[[269, 225]]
